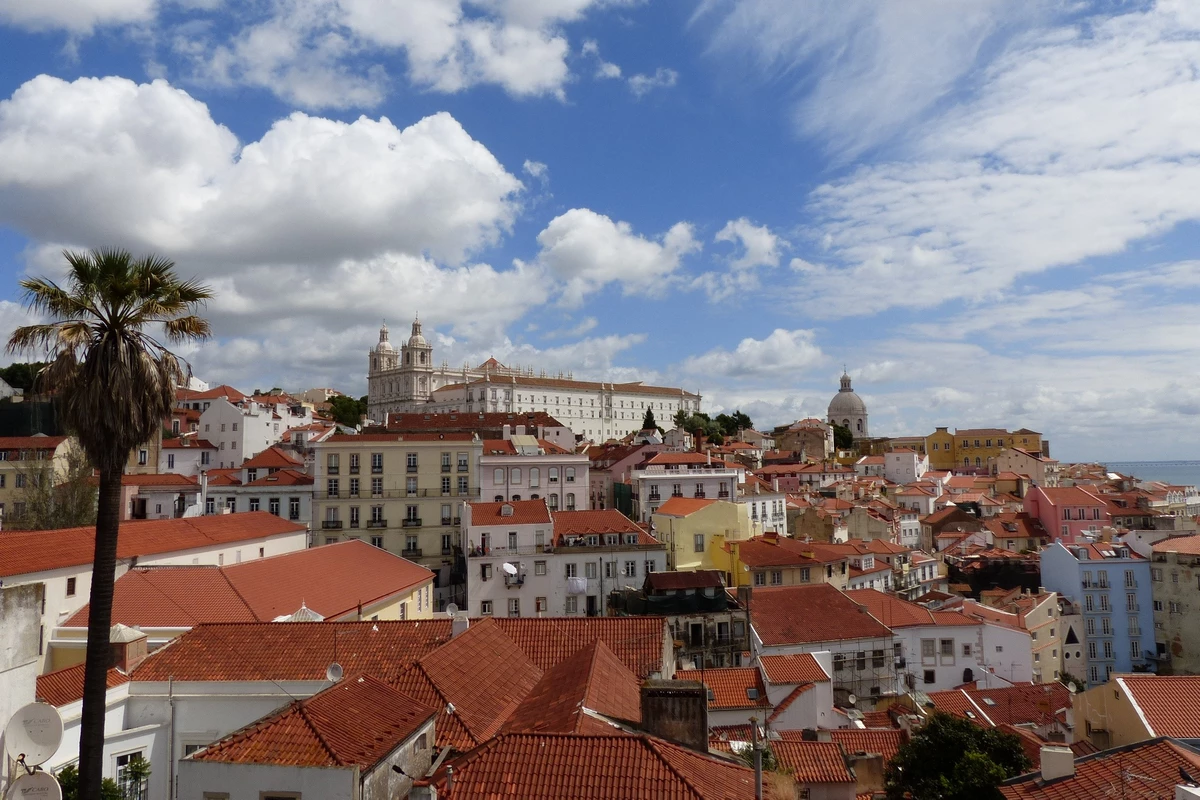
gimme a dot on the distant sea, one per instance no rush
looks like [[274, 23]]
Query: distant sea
[[1181, 473]]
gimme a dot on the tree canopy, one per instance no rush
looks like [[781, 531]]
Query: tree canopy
[[22, 375], [347, 410], [732, 423], [952, 758], [843, 438]]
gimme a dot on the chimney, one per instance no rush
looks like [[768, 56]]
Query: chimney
[[128, 647], [677, 711], [1057, 762], [459, 622], [520, 430], [506, 432]]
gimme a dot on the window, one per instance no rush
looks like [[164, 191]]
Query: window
[[1091, 626], [1106, 626], [1156, 574], [514, 606], [930, 676], [1088, 603], [776, 577], [572, 605], [589, 570], [1135, 648], [698, 543], [1174, 607], [860, 660], [539, 605], [485, 572], [1131, 602], [254, 504], [377, 541], [205, 456], [610, 569], [760, 579], [70, 587], [1104, 602], [804, 575], [293, 507], [1130, 581], [928, 648], [966, 650], [332, 487], [947, 648], [331, 464], [1108, 650], [839, 662], [539, 568], [445, 462], [170, 461], [131, 769], [569, 474], [485, 608], [1158, 605], [1092, 650], [630, 569], [498, 476], [572, 570], [877, 661]]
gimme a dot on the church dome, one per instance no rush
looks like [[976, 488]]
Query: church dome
[[384, 345], [847, 404], [417, 340]]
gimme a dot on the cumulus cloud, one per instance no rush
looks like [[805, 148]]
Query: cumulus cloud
[[663, 78], [75, 16], [537, 170], [760, 247], [604, 69], [586, 251], [777, 357]]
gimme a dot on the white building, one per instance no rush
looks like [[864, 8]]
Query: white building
[[187, 455], [668, 475], [241, 431], [910, 527], [523, 467], [409, 381], [800, 688], [523, 561], [905, 465], [272, 481], [768, 507], [62, 559]]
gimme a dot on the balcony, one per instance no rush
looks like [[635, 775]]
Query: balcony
[[698, 495], [411, 522], [331, 470], [353, 523], [723, 495], [353, 469], [445, 467], [514, 580], [446, 520], [411, 468], [411, 552], [462, 467], [331, 524], [377, 523], [378, 470], [677, 494], [654, 498]]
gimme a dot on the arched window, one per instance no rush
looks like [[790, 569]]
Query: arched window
[[966, 461], [977, 462], [422, 358], [408, 358], [859, 425], [375, 364]]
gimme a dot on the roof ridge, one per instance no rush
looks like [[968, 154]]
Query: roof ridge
[[652, 744], [245, 602], [312, 725]]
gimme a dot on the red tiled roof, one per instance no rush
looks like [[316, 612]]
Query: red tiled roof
[[688, 579], [1069, 496], [172, 597], [272, 457], [896, 613], [401, 423], [578, 523], [956, 702], [31, 442], [232, 394], [886, 743], [794, 668], [804, 614], [776, 551], [683, 506], [1018, 705], [876, 720], [224, 477], [688, 458], [170, 479], [813, 762], [25, 552], [283, 477], [594, 679], [1022, 526], [730, 687], [637, 641], [505, 447], [1170, 704], [1188, 545], [388, 436], [1146, 769], [524, 512], [783, 704], [543, 766], [188, 443], [66, 685], [356, 722]]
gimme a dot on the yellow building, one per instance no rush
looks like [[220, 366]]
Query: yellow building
[[773, 560], [972, 447], [1132, 708], [398, 491], [22, 462], [695, 532]]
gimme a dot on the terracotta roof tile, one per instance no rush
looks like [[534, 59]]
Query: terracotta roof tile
[[172, 597], [577, 523], [523, 512], [806, 614], [401, 423], [539, 766], [66, 685], [683, 506], [730, 687], [637, 641], [1170, 704], [170, 479], [31, 442], [593, 679], [283, 477], [813, 762], [1188, 545], [1145, 769], [697, 459], [24, 552], [794, 668], [273, 457], [356, 722], [188, 443], [886, 743]]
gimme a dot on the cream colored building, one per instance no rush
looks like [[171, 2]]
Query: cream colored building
[[695, 532], [22, 459], [1043, 470], [1175, 587], [401, 492]]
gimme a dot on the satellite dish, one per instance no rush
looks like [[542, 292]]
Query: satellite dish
[[333, 673], [1072, 688], [33, 734], [509, 568], [851, 699], [452, 609], [39, 785]]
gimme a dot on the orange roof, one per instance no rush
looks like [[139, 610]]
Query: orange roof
[[163, 479], [637, 641], [505, 447], [188, 443], [272, 457], [216, 392], [1069, 496], [697, 459], [66, 685], [730, 687], [24, 552], [283, 477], [356, 722], [224, 477], [813, 762], [594, 679], [1146, 769], [886, 743], [479, 421], [1019, 525], [1018, 705], [374, 436], [31, 442], [896, 613], [1170, 704], [802, 614], [539, 766], [794, 668], [579, 523], [521, 512], [683, 506], [1188, 545], [331, 580]]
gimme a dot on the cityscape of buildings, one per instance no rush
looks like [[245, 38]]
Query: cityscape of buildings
[[490, 560]]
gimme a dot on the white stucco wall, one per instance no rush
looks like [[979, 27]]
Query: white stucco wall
[[249, 781]]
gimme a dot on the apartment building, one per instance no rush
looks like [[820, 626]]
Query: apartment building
[[1175, 587], [690, 475], [525, 467], [401, 492], [22, 461]]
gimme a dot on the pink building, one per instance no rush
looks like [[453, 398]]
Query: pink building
[[1067, 512]]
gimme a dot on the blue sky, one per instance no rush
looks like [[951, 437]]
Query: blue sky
[[987, 211]]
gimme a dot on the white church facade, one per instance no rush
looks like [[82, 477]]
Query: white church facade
[[407, 381]]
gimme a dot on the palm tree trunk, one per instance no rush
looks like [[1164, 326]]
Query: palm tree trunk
[[99, 653]]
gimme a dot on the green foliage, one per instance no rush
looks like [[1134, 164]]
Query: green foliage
[[732, 423], [22, 375], [648, 423], [843, 438], [769, 762], [68, 780], [951, 758], [347, 410], [56, 497], [716, 438], [680, 419]]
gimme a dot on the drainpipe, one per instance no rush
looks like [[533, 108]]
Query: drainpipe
[[172, 789], [758, 753]]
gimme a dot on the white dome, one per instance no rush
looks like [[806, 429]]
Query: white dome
[[847, 404], [384, 345], [417, 340]]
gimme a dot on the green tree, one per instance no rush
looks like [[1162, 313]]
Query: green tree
[[952, 758], [22, 374], [648, 422], [843, 438], [680, 419], [732, 423], [347, 410], [113, 382], [56, 498], [68, 781]]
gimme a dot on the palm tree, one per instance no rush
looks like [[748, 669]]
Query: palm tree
[[113, 383]]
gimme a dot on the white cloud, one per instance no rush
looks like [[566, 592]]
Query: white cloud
[[663, 78], [76, 16], [878, 66], [537, 170], [585, 325], [760, 247], [587, 251], [776, 358], [604, 69], [1081, 142]]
